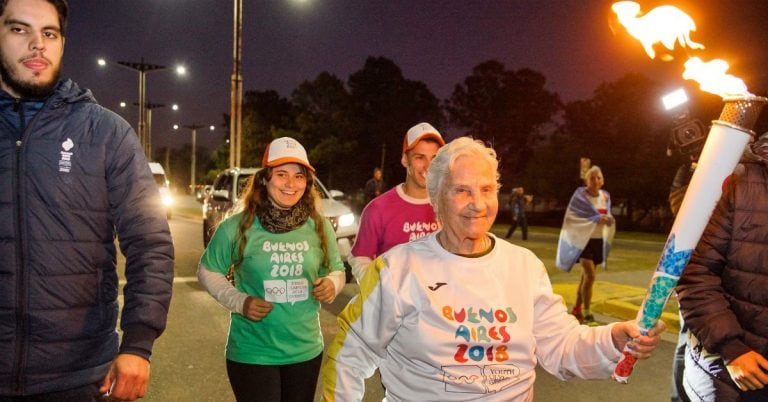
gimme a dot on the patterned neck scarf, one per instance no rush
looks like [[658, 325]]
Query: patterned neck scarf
[[278, 220]]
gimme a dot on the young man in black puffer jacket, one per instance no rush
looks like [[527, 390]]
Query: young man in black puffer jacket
[[73, 177]]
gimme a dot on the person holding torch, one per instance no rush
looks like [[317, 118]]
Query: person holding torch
[[722, 291], [460, 315]]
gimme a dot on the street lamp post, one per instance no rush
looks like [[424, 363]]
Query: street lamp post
[[147, 147], [236, 96], [148, 106], [193, 162], [142, 68]]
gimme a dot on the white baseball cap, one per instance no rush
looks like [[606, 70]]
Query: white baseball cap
[[420, 132], [285, 150]]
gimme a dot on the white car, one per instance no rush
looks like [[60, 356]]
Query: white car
[[163, 185], [229, 186]]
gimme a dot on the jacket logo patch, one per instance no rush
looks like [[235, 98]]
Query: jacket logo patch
[[65, 163]]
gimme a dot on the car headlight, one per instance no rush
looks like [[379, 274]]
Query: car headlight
[[167, 200], [346, 220]]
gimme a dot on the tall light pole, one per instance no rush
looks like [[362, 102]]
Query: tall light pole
[[236, 96], [143, 68], [148, 106], [193, 162]]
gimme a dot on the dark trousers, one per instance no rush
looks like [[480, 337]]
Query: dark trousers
[[86, 393], [523, 222], [283, 383]]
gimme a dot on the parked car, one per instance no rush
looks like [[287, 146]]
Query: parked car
[[229, 186], [202, 191], [163, 185]]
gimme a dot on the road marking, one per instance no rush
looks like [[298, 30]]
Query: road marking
[[178, 279]]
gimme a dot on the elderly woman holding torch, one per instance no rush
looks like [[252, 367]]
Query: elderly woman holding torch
[[462, 315]]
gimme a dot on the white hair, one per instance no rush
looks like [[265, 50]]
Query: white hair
[[441, 166], [592, 171]]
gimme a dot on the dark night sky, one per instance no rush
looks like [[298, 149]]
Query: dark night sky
[[438, 42]]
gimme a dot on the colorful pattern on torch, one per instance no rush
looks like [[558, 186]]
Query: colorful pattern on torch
[[673, 262], [661, 288], [665, 278]]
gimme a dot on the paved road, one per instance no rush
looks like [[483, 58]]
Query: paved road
[[188, 361]]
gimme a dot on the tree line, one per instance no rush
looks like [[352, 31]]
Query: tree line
[[350, 127]]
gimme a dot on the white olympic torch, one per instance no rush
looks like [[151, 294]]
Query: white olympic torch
[[722, 150]]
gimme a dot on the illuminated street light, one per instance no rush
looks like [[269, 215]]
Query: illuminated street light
[[192, 164], [143, 68]]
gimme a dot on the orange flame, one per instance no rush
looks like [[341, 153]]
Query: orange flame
[[669, 25], [664, 24], [712, 77]]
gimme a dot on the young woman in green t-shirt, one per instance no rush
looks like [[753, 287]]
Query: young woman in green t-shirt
[[282, 254]]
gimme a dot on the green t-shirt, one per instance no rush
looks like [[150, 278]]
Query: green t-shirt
[[279, 268]]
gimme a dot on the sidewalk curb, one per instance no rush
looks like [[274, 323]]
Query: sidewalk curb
[[628, 311], [616, 300]]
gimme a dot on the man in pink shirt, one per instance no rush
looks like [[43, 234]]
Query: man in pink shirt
[[403, 213]]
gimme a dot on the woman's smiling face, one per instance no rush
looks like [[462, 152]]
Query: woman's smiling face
[[287, 185], [469, 203]]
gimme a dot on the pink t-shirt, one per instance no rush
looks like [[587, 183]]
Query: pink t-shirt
[[390, 219]]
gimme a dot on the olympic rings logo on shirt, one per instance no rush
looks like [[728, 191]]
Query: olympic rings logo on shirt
[[275, 291]]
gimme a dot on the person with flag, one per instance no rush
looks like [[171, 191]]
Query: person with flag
[[586, 236]]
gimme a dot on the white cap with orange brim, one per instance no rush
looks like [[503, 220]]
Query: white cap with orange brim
[[420, 132], [285, 150]]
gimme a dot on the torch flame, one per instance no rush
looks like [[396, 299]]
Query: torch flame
[[669, 25], [712, 77], [664, 24]]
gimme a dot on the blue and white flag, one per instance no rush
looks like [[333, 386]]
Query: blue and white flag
[[581, 218]]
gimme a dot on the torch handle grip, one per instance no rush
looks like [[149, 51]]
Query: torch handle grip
[[625, 366], [627, 362]]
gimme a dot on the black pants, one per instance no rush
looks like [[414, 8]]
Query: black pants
[[284, 383], [521, 219], [86, 393]]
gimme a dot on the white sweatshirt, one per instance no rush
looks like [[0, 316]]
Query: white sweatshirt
[[442, 327]]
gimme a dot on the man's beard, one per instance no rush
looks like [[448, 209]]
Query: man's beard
[[27, 90]]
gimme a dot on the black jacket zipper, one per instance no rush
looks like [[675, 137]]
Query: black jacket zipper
[[22, 276]]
